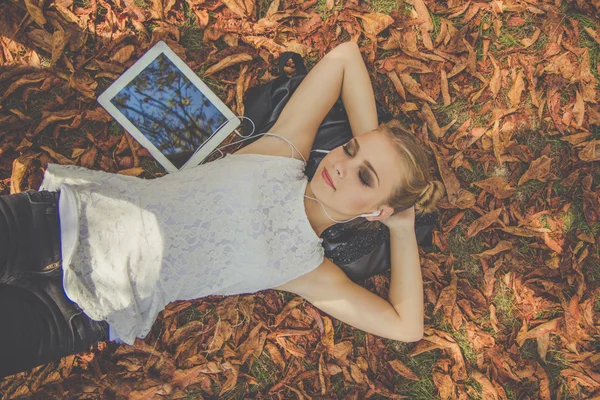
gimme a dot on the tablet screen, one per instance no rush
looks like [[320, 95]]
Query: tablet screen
[[169, 110]]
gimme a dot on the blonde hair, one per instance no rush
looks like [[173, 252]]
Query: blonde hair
[[417, 187]]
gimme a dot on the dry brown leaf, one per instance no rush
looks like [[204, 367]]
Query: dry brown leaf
[[496, 80], [465, 199], [514, 94], [397, 84], [403, 370], [591, 151], [483, 222], [237, 6], [19, 167], [430, 119], [588, 83], [51, 117], [542, 329], [444, 86], [503, 245], [83, 83], [579, 109], [261, 42], [488, 391], [538, 169], [450, 180], [529, 41], [57, 156], [413, 88], [497, 186], [35, 11], [123, 54], [228, 62], [89, 158], [136, 171], [374, 23], [59, 41]]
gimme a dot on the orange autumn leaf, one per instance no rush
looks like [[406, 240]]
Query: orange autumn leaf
[[497, 186], [483, 222], [374, 23], [538, 169]]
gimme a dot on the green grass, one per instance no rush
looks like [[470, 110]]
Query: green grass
[[192, 314], [458, 110], [525, 250], [384, 6], [324, 12], [437, 25], [264, 370], [576, 218], [262, 6], [475, 175], [507, 40], [504, 300], [191, 34], [421, 365], [460, 336], [142, 3], [462, 248]]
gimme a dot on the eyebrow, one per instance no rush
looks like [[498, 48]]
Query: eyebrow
[[366, 162]]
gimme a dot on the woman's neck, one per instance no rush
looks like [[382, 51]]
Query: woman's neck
[[316, 216]]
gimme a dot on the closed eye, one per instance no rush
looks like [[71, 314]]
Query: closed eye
[[361, 174]]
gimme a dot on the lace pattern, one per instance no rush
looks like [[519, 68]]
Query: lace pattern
[[231, 226]]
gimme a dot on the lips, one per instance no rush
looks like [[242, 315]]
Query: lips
[[327, 178]]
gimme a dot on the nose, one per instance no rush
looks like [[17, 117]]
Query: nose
[[340, 168]]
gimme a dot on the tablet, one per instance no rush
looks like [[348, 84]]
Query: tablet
[[167, 108]]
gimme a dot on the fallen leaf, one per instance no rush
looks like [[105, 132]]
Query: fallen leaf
[[451, 183], [123, 54], [430, 119], [57, 156], [591, 151], [35, 11], [483, 222], [374, 23], [514, 94], [403, 370], [497, 186], [538, 169], [531, 40], [228, 62], [502, 246], [496, 80], [413, 88], [132, 171]]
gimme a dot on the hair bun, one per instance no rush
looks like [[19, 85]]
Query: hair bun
[[430, 197]]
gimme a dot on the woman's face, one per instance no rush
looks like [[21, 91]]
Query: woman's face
[[365, 172]]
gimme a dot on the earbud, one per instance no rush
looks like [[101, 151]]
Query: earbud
[[321, 151], [375, 214]]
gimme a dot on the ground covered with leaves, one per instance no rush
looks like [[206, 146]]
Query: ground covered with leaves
[[503, 93]]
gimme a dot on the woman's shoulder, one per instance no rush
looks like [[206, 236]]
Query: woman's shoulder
[[270, 146]]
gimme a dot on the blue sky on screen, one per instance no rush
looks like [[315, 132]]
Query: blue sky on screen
[[168, 109]]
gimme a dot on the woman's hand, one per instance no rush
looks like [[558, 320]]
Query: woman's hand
[[402, 220]]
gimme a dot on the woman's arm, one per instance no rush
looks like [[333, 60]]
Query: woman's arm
[[341, 72], [328, 288], [406, 283]]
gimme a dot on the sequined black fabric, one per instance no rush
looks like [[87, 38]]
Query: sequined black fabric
[[344, 246]]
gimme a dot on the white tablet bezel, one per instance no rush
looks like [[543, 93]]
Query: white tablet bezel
[[133, 71]]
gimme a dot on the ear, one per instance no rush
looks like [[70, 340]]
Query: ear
[[386, 211]]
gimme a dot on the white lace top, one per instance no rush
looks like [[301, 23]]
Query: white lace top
[[231, 226]]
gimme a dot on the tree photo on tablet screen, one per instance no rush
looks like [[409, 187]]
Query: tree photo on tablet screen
[[169, 110]]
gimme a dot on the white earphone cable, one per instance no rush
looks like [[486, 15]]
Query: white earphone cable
[[249, 136]]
